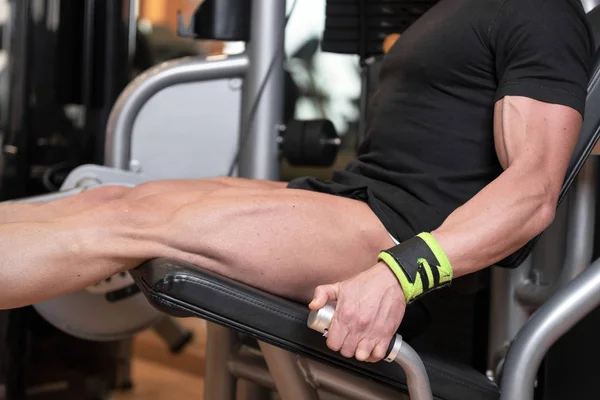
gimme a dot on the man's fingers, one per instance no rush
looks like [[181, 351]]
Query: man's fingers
[[379, 351], [348, 349], [336, 335], [322, 295], [364, 349]]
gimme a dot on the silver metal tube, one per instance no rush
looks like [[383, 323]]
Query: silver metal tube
[[175, 335], [416, 374], [249, 390], [287, 375], [350, 386], [259, 152], [507, 315], [580, 239], [251, 368], [326, 378], [123, 364], [219, 383], [132, 28], [567, 307], [185, 70]]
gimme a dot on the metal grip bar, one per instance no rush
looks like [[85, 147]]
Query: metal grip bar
[[402, 353]]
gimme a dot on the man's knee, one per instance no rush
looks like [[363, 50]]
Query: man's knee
[[106, 193], [144, 190], [167, 186]]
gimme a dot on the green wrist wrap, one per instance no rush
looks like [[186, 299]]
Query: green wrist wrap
[[420, 265]]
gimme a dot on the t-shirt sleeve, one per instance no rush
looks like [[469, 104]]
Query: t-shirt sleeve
[[543, 50]]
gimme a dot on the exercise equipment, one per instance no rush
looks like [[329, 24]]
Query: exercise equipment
[[310, 143], [416, 375], [249, 87], [68, 61], [183, 119], [186, 290], [225, 20], [360, 27]]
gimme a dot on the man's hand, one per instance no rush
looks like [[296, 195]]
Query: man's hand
[[370, 307]]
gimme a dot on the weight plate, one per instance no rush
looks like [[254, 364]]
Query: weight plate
[[293, 142], [101, 315], [317, 148]]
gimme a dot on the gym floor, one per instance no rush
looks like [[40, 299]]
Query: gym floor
[[159, 375]]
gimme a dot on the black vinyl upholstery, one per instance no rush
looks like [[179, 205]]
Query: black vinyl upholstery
[[183, 290]]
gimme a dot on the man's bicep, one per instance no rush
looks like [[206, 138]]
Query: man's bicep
[[536, 136]]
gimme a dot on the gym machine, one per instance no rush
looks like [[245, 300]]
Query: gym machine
[[291, 358], [67, 63], [182, 119], [312, 371]]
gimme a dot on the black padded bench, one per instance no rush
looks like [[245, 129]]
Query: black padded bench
[[183, 290]]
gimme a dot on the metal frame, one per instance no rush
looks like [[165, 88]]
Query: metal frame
[[228, 360], [259, 153], [186, 70], [248, 364], [400, 352], [263, 97], [289, 373], [548, 324]]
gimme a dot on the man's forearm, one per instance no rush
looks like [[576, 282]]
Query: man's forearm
[[499, 220]]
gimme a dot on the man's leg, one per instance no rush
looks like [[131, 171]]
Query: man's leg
[[98, 196], [26, 212], [282, 240], [194, 185]]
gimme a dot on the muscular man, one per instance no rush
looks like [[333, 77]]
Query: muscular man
[[479, 108]]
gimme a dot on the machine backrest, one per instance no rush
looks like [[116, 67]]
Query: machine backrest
[[590, 132]]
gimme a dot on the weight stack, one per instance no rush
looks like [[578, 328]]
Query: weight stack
[[360, 26]]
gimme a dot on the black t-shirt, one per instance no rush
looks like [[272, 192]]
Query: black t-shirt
[[430, 146]]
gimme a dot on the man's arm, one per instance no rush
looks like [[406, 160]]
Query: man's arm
[[534, 143]]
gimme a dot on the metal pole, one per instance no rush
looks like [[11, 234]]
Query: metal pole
[[401, 352], [287, 375], [548, 324], [507, 316], [146, 85], [131, 28], [259, 152], [175, 335], [219, 383], [326, 378], [249, 390]]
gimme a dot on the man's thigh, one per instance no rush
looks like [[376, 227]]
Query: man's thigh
[[195, 185], [285, 241], [98, 196]]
